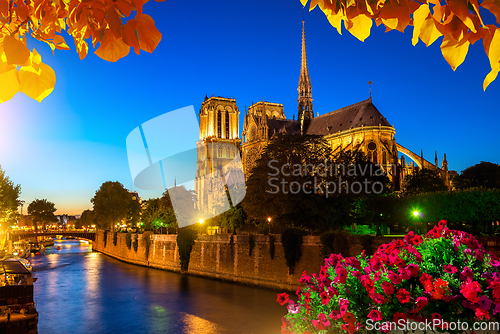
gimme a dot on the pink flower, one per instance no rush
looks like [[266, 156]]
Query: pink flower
[[375, 315], [322, 323], [292, 307], [305, 278], [414, 269], [495, 263], [484, 303], [325, 298], [341, 275], [470, 289], [350, 328], [448, 268], [343, 301], [395, 279], [398, 315], [465, 274], [421, 302], [388, 288], [335, 315], [403, 296], [482, 314], [404, 273], [377, 298]]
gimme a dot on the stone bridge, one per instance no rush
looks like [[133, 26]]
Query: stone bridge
[[76, 234]]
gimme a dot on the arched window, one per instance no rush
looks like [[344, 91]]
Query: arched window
[[219, 125], [219, 151], [384, 158], [375, 160], [227, 124]]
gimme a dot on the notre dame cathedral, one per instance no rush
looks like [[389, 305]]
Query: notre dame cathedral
[[359, 127]]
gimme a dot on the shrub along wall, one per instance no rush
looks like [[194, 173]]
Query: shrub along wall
[[223, 257]]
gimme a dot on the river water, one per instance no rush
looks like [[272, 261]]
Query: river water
[[80, 291]]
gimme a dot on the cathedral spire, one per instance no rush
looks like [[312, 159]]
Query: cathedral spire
[[305, 97]]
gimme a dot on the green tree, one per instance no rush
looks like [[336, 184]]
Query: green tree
[[157, 215], [113, 204], [425, 180], [484, 174], [42, 211], [183, 200], [9, 198], [233, 218], [87, 218], [282, 183], [298, 182], [377, 209]]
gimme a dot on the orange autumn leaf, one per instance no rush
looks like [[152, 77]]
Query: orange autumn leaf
[[461, 9], [114, 21], [112, 48], [131, 35], [99, 22], [141, 33], [15, 50], [493, 6]]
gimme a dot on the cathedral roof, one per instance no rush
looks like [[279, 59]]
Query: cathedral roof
[[282, 125], [360, 114]]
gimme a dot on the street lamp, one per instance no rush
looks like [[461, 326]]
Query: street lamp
[[201, 222], [269, 221]]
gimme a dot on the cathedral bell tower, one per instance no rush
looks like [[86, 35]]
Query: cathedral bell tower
[[305, 96], [218, 146]]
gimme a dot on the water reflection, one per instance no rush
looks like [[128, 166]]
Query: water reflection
[[83, 292]]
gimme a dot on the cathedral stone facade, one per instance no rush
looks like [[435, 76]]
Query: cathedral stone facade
[[359, 127]]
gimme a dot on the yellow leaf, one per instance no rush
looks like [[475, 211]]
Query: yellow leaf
[[9, 84], [111, 48], [419, 17], [37, 84], [359, 26], [334, 19], [36, 58], [368, 7], [494, 56], [313, 4], [428, 31], [453, 51], [15, 50]]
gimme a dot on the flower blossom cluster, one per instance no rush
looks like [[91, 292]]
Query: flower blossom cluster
[[446, 275]]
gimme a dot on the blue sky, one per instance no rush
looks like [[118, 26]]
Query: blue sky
[[64, 148]]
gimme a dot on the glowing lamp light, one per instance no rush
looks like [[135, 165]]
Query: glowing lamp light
[[415, 213], [269, 219], [201, 221]]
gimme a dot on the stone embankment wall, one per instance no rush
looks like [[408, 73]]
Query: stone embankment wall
[[217, 256]]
